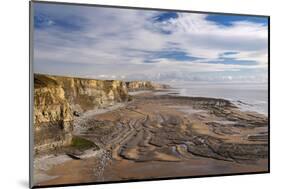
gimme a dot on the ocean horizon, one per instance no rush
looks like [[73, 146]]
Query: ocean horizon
[[247, 96]]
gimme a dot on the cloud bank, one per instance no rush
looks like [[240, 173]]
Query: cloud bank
[[111, 43]]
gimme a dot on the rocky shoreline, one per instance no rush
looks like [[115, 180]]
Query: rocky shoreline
[[164, 135]]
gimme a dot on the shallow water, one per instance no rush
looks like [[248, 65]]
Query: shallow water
[[249, 97]]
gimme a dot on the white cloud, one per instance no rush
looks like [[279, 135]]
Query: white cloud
[[116, 43]]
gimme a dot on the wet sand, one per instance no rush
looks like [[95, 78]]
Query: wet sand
[[160, 136]]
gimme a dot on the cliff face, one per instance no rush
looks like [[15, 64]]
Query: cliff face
[[53, 121], [145, 85], [85, 94], [56, 98]]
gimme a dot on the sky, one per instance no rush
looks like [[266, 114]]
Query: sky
[[164, 46]]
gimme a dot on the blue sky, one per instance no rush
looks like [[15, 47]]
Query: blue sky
[[228, 20], [110, 43]]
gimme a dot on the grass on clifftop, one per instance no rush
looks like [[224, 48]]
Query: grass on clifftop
[[82, 144]]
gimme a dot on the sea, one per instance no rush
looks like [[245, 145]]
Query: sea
[[247, 96]]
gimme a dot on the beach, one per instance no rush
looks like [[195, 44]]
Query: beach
[[159, 134]]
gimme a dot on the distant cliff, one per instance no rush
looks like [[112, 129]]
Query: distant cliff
[[145, 85], [56, 99]]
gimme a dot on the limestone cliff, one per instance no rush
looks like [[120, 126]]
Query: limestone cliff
[[85, 94], [53, 121], [56, 99], [144, 85]]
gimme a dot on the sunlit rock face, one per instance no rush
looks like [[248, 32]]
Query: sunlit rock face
[[86, 94], [145, 85], [56, 99]]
